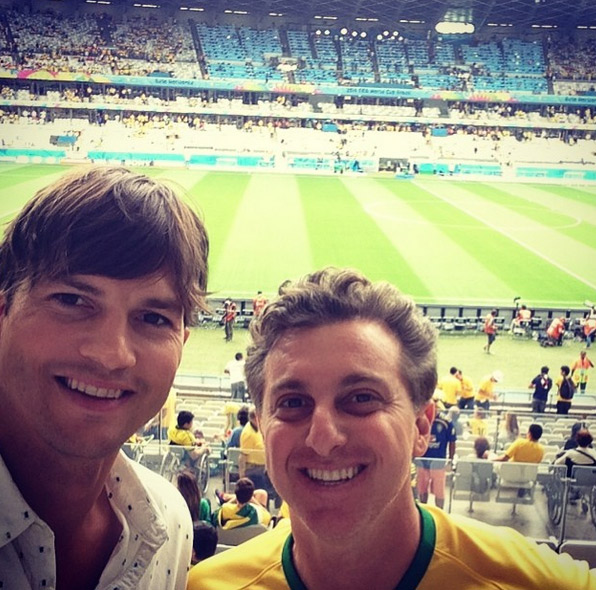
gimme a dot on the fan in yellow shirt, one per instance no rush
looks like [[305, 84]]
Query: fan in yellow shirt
[[451, 388], [525, 450]]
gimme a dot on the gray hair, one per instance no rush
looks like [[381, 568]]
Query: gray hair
[[333, 295]]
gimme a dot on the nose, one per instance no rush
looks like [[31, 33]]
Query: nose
[[109, 344], [325, 433]]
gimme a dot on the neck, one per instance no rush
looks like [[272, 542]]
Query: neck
[[370, 559], [68, 495]]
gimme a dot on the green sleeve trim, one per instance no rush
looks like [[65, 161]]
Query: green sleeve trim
[[411, 578]]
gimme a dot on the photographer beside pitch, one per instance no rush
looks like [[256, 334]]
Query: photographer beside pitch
[[342, 372], [100, 276]]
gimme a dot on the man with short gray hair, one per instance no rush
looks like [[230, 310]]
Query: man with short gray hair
[[342, 371]]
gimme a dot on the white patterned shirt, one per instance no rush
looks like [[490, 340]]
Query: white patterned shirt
[[153, 552]]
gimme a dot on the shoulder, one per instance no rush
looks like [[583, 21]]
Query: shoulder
[[498, 558], [256, 563], [164, 494], [158, 516]]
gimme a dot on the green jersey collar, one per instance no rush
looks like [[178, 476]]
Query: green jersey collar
[[411, 578]]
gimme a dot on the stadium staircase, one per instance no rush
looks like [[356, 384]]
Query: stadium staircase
[[198, 48], [104, 26], [313, 47], [285, 44]]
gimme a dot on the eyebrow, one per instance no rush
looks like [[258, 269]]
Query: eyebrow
[[358, 378], [292, 384], [287, 385]]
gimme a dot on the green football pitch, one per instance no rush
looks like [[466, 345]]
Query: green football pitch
[[438, 240]]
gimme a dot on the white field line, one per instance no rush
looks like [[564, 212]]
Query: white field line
[[516, 240]]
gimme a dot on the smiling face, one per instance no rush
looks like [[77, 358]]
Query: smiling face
[[339, 426], [87, 360]]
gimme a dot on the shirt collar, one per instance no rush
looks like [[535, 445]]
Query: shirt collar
[[126, 493], [130, 497], [410, 580], [17, 515]]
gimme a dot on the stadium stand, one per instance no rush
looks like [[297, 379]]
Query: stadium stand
[[286, 87], [258, 97]]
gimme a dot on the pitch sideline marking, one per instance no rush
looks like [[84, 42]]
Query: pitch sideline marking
[[516, 240]]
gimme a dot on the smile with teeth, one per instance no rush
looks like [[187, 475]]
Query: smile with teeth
[[91, 390], [333, 476]]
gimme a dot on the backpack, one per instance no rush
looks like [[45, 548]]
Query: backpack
[[567, 388]]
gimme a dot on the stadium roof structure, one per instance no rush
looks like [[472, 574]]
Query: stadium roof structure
[[562, 13]]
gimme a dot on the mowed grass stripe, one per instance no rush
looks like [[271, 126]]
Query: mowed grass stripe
[[579, 210], [19, 184], [559, 250], [342, 234], [18, 172], [187, 181], [580, 193], [483, 230], [267, 241], [440, 262], [217, 195], [557, 220]]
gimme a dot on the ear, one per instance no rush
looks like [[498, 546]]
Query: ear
[[424, 422]]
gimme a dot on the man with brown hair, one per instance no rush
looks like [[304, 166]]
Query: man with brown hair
[[243, 508], [101, 274]]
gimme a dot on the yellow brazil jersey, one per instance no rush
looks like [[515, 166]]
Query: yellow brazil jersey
[[451, 388], [467, 388], [477, 426], [252, 440], [182, 437], [485, 390], [524, 450], [470, 554]]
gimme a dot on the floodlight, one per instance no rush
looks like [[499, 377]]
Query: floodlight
[[450, 28], [354, 33], [327, 32], [344, 31], [363, 34]]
